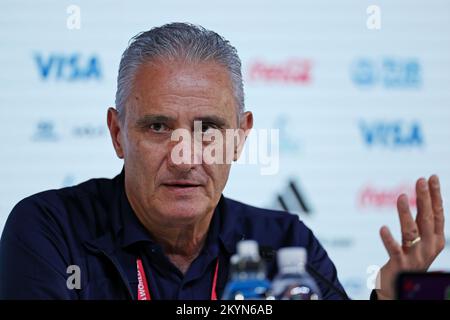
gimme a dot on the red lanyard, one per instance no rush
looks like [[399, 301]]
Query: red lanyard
[[143, 293]]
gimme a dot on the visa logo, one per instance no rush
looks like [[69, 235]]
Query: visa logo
[[391, 134], [70, 67]]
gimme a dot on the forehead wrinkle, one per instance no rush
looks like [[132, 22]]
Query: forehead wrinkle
[[168, 93], [172, 101], [185, 77]]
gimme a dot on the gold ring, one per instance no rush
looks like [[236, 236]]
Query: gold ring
[[411, 243]]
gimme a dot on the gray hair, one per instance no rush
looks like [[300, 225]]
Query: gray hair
[[185, 41]]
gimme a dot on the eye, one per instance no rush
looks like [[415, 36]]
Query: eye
[[158, 127], [207, 126]]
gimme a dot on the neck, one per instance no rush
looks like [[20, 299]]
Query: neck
[[181, 242]]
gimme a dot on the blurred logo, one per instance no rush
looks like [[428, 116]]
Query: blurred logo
[[391, 134], [68, 180], [89, 131], [336, 242], [292, 199], [288, 143], [294, 71], [388, 73], [45, 131], [68, 67], [372, 197]]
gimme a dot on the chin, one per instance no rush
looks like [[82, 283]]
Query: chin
[[184, 210]]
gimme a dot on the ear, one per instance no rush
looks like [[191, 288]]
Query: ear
[[245, 126], [115, 131]]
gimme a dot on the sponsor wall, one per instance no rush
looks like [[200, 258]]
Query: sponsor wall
[[361, 113]]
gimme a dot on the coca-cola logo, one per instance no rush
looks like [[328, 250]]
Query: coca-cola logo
[[294, 70], [372, 197]]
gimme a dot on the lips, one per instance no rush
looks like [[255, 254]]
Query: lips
[[182, 184], [182, 188]]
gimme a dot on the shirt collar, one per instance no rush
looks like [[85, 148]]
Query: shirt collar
[[131, 231]]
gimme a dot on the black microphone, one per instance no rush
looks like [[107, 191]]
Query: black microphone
[[316, 274], [268, 254]]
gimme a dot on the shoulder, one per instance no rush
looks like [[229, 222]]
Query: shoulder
[[256, 213], [274, 227], [55, 209]]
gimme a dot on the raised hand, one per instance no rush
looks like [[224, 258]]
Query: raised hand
[[422, 239]]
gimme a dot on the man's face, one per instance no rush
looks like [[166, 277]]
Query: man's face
[[165, 97]]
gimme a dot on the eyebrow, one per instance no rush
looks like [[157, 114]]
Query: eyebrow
[[149, 119], [219, 121]]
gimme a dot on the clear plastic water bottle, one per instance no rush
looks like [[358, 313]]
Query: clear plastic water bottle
[[293, 281], [248, 274]]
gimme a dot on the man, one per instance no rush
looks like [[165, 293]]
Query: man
[[161, 229]]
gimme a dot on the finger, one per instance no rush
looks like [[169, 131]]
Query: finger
[[438, 209], [392, 247], [407, 224], [424, 218]]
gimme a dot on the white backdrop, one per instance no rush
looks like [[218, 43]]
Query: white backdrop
[[362, 113]]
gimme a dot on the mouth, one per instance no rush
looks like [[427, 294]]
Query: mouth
[[182, 184], [182, 187]]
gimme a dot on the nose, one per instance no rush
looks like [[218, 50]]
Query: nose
[[185, 151]]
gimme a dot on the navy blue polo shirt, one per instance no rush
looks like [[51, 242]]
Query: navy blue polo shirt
[[92, 226]]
